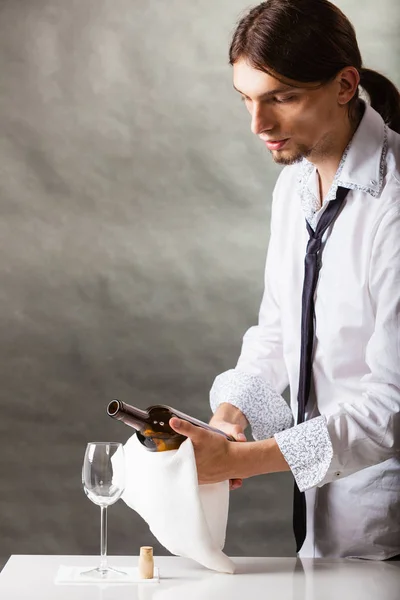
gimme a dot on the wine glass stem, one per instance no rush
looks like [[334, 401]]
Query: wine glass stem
[[103, 539]]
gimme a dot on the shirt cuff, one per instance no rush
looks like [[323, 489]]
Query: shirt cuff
[[307, 448], [266, 411]]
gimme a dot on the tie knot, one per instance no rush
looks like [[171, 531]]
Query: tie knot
[[326, 220], [314, 245]]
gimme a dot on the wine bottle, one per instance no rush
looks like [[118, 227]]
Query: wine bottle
[[152, 425]]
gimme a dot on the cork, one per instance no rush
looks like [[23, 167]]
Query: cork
[[146, 563]]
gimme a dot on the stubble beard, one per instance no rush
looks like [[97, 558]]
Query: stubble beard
[[297, 156], [320, 151]]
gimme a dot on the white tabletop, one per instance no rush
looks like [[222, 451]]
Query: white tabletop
[[32, 577]]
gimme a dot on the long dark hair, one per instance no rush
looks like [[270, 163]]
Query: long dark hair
[[310, 41]]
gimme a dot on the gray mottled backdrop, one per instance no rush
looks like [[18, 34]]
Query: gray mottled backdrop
[[134, 224]]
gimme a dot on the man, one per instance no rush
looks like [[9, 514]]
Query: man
[[329, 321]]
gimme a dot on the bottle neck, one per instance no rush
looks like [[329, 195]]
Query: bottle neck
[[135, 417], [141, 415]]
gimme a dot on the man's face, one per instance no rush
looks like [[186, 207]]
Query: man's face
[[293, 122]]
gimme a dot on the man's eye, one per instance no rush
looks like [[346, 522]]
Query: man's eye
[[285, 99], [244, 98]]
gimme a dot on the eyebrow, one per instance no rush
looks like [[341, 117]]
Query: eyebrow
[[278, 90]]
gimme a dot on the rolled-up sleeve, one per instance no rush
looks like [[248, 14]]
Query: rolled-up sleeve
[[266, 411]]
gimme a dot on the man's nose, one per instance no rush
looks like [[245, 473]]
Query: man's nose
[[261, 119]]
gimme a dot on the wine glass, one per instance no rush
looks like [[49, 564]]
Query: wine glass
[[103, 479]]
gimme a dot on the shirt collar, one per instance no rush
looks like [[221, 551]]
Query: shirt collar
[[364, 166], [363, 162]]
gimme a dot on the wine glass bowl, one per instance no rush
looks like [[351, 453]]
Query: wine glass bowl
[[102, 472]]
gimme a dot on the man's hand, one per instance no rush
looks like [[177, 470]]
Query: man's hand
[[236, 431], [215, 458], [231, 421]]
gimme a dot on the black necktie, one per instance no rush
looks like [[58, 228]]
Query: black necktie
[[311, 268]]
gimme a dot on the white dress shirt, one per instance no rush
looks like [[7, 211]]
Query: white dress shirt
[[346, 456]]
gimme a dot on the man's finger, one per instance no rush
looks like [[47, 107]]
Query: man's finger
[[234, 484], [183, 427]]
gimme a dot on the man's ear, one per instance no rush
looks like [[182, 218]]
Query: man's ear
[[348, 80]]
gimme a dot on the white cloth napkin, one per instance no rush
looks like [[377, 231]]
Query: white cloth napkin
[[187, 519]]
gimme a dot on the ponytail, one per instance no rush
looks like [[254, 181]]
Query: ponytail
[[384, 96]]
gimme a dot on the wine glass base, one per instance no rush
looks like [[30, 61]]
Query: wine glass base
[[108, 574]]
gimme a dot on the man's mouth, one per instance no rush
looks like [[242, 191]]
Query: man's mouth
[[276, 144]]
